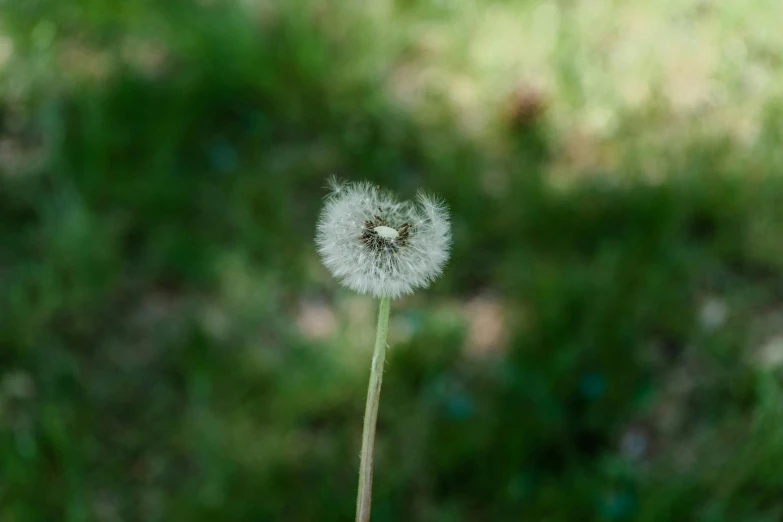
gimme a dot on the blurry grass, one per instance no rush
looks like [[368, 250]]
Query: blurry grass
[[709, 63], [157, 227]]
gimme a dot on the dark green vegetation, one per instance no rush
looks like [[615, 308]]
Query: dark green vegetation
[[157, 210]]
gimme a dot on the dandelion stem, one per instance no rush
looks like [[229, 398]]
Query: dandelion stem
[[364, 498]]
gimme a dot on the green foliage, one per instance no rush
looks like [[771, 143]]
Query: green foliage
[[157, 250]]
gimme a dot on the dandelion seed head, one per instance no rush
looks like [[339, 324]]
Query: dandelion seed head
[[377, 245]]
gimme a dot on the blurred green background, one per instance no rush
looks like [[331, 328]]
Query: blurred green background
[[605, 345]]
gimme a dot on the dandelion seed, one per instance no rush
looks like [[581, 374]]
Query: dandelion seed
[[377, 245]]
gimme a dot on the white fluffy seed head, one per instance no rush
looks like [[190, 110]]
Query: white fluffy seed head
[[377, 245]]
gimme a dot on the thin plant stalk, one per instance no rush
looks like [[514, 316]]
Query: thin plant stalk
[[364, 498]]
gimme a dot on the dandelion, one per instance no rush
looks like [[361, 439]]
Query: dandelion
[[377, 245]]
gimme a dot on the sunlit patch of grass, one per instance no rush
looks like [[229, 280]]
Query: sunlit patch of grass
[[705, 68]]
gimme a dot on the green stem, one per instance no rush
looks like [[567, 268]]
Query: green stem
[[364, 498]]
